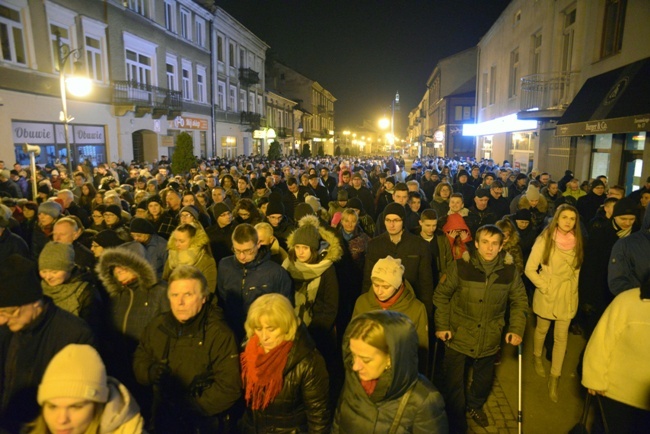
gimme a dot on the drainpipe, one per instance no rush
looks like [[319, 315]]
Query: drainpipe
[[212, 83]]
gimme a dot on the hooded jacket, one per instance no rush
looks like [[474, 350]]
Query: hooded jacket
[[316, 286], [537, 214], [629, 266], [302, 404], [121, 413], [198, 255], [359, 413]]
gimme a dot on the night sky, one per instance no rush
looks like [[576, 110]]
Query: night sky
[[364, 51]]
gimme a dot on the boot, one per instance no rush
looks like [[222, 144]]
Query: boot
[[539, 366], [553, 383]]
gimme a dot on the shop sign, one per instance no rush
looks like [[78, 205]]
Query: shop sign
[[187, 123], [33, 133], [439, 136], [258, 134], [167, 141], [87, 135]]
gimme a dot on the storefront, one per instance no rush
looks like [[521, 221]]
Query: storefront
[[87, 142]]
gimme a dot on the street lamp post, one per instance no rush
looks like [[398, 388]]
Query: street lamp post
[[78, 86]]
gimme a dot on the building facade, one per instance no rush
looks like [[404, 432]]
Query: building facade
[[280, 121]]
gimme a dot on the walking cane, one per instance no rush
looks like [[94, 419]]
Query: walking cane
[[519, 413]]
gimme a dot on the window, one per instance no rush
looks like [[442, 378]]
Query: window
[[463, 113], [12, 43], [242, 58], [516, 19], [187, 80], [170, 15], [221, 95], [568, 34], [231, 54], [201, 90], [493, 84], [199, 31], [138, 6], [94, 58], [536, 58], [64, 34], [138, 67], [613, 25], [172, 76], [220, 48], [513, 84], [260, 107], [242, 100], [232, 99], [251, 102], [484, 89], [186, 25]]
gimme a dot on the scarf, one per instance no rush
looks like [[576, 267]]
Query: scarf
[[393, 299], [621, 233], [307, 281], [262, 372], [564, 241], [369, 385]]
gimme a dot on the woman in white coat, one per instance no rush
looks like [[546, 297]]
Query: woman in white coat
[[553, 267]]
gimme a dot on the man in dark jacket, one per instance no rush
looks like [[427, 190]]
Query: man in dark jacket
[[480, 213], [32, 331], [319, 190], [8, 186], [10, 243], [478, 291], [190, 357], [246, 275], [357, 189], [220, 233], [497, 203], [143, 231], [67, 231], [589, 204]]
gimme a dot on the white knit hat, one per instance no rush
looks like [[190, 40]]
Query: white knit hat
[[389, 270], [77, 371]]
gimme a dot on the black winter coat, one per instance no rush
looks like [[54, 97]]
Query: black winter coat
[[25, 354], [302, 404]]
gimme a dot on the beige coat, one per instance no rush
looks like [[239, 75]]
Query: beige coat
[[556, 284]]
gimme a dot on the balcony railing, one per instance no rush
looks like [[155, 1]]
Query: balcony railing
[[549, 91], [248, 77], [283, 132], [145, 98], [250, 118]]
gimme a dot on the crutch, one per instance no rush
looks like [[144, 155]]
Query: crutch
[[519, 413]]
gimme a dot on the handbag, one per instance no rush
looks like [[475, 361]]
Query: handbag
[[400, 409]]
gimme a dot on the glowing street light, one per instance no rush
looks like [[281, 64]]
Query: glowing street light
[[384, 123]]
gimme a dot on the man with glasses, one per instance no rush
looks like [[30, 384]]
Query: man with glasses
[[32, 330], [246, 275]]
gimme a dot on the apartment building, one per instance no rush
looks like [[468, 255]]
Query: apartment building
[[149, 63], [280, 122], [548, 73]]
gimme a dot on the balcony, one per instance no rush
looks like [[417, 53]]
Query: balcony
[[250, 118], [145, 99], [248, 77], [546, 96], [283, 132]]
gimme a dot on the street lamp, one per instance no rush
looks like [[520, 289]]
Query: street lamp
[[77, 85]]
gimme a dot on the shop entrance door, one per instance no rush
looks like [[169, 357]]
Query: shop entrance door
[[632, 170]]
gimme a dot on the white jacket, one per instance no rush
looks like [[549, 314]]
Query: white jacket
[[617, 355]]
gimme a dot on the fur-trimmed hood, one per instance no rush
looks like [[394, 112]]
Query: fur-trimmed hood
[[542, 206], [198, 241], [127, 258], [330, 245]]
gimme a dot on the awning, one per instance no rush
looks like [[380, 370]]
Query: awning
[[615, 102]]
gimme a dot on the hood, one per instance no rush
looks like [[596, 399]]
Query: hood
[[541, 206], [402, 342], [455, 222], [120, 408], [330, 245], [199, 240], [127, 258]]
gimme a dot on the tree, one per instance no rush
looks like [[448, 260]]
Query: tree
[[321, 151], [183, 159], [337, 150], [275, 150], [306, 151]]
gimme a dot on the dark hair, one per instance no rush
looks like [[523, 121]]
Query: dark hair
[[489, 230], [401, 186], [429, 214], [244, 233], [292, 181], [459, 195], [415, 194]]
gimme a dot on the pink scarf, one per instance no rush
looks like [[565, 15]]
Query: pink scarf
[[565, 241]]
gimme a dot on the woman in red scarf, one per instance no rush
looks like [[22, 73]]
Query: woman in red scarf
[[286, 384], [458, 234]]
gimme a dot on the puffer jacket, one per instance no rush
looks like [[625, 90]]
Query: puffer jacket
[[121, 413], [537, 214], [359, 413], [239, 285], [197, 255], [203, 345], [302, 404], [556, 284], [472, 305]]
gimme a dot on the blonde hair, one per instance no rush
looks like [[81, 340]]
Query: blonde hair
[[38, 426], [369, 331], [278, 311]]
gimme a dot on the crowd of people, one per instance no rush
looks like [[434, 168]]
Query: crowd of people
[[310, 295]]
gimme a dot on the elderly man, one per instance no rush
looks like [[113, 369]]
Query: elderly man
[[32, 331], [67, 231], [191, 358], [73, 209]]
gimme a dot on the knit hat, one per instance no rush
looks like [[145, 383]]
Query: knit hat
[[19, 282], [108, 238], [50, 208], [275, 207], [307, 235], [301, 210], [314, 202], [342, 195], [260, 184], [357, 175], [142, 205], [114, 209], [5, 216], [521, 176], [192, 210], [54, 172], [523, 214], [395, 208], [142, 226], [482, 192], [389, 270], [463, 173], [30, 204], [597, 183], [391, 179], [624, 206], [77, 371], [56, 256], [532, 193], [355, 203], [220, 208], [152, 181], [155, 198]]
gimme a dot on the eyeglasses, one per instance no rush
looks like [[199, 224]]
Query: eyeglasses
[[392, 221], [245, 252]]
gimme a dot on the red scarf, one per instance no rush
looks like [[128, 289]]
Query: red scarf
[[393, 299], [262, 372], [369, 385]]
